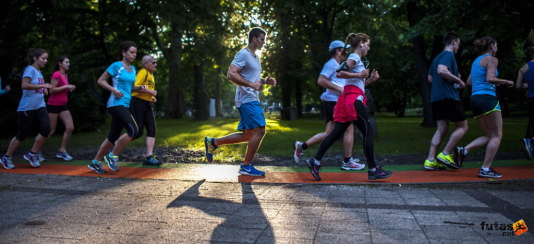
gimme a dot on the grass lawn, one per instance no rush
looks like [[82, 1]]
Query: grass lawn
[[395, 136]]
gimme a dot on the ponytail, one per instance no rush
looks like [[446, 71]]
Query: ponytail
[[484, 43], [35, 53]]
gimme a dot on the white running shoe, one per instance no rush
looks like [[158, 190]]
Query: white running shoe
[[352, 165], [298, 152]]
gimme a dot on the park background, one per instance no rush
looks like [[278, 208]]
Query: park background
[[195, 41]]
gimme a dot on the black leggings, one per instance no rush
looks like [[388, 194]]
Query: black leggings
[[121, 118], [26, 119], [144, 116], [530, 127], [363, 124]]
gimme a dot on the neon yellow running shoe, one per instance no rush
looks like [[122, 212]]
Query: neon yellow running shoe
[[433, 166], [447, 160]]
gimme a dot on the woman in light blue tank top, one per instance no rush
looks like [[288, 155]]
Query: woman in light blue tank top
[[525, 80], [485, 105]]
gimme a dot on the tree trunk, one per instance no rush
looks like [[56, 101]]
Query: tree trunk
[[218, 94], [175, 98], [286, 82], [422, 75], [201, 98], [421, 63]]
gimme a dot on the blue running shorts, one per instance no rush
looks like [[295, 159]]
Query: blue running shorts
[[251, 116]]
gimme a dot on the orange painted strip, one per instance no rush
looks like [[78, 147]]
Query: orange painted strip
[[228, 173]]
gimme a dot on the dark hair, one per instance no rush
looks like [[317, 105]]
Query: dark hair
[[354, 40], [530, 39], [334, 51], [484, 43], [255, 32], [35, 53], [450, 37], [124, 47], [59, 60]]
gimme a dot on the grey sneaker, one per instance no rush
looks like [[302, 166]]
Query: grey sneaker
[[40, 157], [33, 159], [64, 155], [6, 162], [112, 161], [97, 167]]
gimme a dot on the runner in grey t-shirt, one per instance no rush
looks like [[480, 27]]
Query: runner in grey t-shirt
[[245, 72]]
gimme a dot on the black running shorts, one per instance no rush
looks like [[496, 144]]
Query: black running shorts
[[448, 109]]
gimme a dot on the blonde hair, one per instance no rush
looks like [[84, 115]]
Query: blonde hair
[[354, 40]]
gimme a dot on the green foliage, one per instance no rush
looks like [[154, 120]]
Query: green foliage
[[182, 34]]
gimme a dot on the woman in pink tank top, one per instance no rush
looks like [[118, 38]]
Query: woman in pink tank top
[[57, 104]]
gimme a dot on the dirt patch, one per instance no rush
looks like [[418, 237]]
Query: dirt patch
[[181, 155]]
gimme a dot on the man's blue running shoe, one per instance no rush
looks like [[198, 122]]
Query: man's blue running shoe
[[210, 148], [250, 170]]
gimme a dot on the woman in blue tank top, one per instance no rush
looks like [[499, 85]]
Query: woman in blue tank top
[[485, 105], [525, 80]]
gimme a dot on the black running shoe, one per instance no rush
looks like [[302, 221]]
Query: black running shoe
[[528, 147], [379, 173], [489, 174], [459, 155], [314, 168]]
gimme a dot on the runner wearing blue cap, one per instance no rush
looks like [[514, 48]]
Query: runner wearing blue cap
[[334, 87]]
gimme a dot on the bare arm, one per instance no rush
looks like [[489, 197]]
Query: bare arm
[[491, 66], [429, 79], [469, 81], [519, 84], [348, 75], [373, 78], [102, 82], [55, 89], [151, 92], [26, 85], [323, 81], [444, 72], [234, 75]]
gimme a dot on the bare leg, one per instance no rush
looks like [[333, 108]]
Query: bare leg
[[492, 125], [456, 136], [348, 140], [234, 138], [441, 131], [121, 143], [103, 150], [66, 117], [53, 123], [254, 144], [150, 145], [319, 137], [39, 141], [13, 145]]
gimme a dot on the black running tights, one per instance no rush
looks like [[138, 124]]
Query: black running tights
[[363, 124]]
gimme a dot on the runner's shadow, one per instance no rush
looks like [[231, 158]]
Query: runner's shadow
[[243, 222]]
